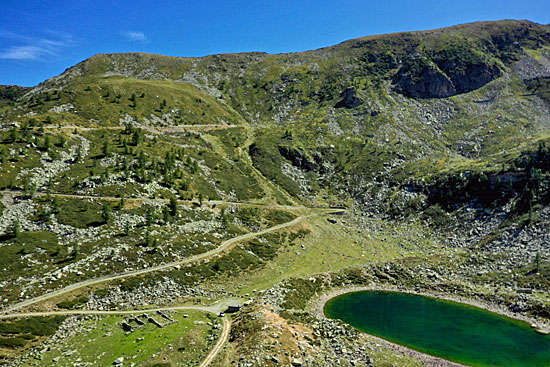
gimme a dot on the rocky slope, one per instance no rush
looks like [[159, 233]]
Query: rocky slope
[[436, 142]]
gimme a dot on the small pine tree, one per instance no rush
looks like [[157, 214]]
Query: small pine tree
[[55, 205], [27, 136], [224, 218], [76, 250], [107, 151], [147, 238], [121, 202], [107, 213], [62, 141], [16, 228], [27, 185], [47, 143], [173, 206], [78, 157], [14, 135], [194, 168], [166, 215], [137, 137], [150, 217]]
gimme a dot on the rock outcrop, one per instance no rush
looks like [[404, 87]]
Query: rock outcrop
[[349, 99], [421, 77], [423, 80], [298, 159]]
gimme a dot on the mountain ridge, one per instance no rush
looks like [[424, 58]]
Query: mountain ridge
[[487, 25]]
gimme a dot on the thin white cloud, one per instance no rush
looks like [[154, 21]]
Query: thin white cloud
[[30, 48], [135, 36], [25, 53]]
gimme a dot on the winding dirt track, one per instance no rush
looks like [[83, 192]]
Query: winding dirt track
[[224, 246], [156, 129], [187, 202], [216, 308], [211, 309], [219, 345]]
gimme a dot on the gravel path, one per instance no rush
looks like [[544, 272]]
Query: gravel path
[[224, 246]]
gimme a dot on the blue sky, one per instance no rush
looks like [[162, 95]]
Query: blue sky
[[41, 38]]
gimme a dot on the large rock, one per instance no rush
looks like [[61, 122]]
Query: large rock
[[349, 99]]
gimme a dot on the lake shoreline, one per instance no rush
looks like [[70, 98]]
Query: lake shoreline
[[317, 308]]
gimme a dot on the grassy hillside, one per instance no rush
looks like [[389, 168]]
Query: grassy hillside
[[434, 142]]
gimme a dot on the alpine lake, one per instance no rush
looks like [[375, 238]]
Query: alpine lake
[[453, 331]]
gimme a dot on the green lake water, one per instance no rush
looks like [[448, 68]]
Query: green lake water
[[449, 330]]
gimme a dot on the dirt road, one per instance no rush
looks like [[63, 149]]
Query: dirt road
[[224, 246]]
